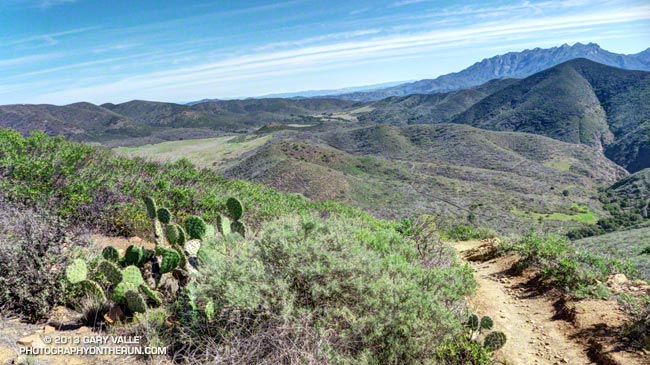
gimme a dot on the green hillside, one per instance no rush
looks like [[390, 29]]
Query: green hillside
[[579, 101], [506, 181], [631, 194], [630, 244]]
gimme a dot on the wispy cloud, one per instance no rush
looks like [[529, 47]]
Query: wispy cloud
[[47, 38], [45, 4], [17, 61], [401, 3]]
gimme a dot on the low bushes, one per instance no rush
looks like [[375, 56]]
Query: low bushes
[[466, 233], [32, 260], [319, 291], [564, 266]]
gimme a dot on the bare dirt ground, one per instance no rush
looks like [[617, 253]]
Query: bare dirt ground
[[545, 328]]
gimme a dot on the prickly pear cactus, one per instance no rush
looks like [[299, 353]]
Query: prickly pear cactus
[[120, 290], [152, 209], [172, 233], [182, 236], [223, 225], [135, 302], [76, 272], [238, 227], [195, 227], [151, 294], [473, 322], [164, 215], [183, 259], [494, 341], [170, 260], [93, 289], [110, 271], [235, 208], [158, 233], [486, 323], [134, 255], [131, 274], [110, 253]]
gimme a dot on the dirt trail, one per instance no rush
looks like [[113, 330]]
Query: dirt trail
[[534, 337]]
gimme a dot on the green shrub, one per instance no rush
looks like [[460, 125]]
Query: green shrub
[[564, 266], [360, 293], [466, 233]]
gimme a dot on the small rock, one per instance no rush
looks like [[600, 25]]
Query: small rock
[[48, 329], [33, 340]]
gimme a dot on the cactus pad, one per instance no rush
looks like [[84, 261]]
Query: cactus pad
[[93, 289], [238, 227], [183, 259], [131, 274], [486, 323], [134, 255], [110, 271], [235, 209], [472, 322], [223, 225], [120, 290], [172, 233], [76, 272], [164, 215], [151, 294], [195, 227], [182, 236], [135, 302], [110, 253], [170, 260], [152, 210], [494, 341]]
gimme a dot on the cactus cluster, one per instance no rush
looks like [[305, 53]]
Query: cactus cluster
[[141, 276], [492, 341]]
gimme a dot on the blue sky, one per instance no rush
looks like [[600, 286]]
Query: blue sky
[[64, 51]]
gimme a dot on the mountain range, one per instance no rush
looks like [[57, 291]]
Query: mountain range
[[509, 65]]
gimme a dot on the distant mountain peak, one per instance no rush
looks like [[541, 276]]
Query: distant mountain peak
[[509, 65]]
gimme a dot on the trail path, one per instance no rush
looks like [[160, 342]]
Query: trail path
[[526, 318]]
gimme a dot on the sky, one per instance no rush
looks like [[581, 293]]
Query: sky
[[66, 51]]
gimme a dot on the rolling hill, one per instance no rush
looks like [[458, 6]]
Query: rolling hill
[[509, 65], [143, 122], [504, 180], [79, 121], [579, 101]]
